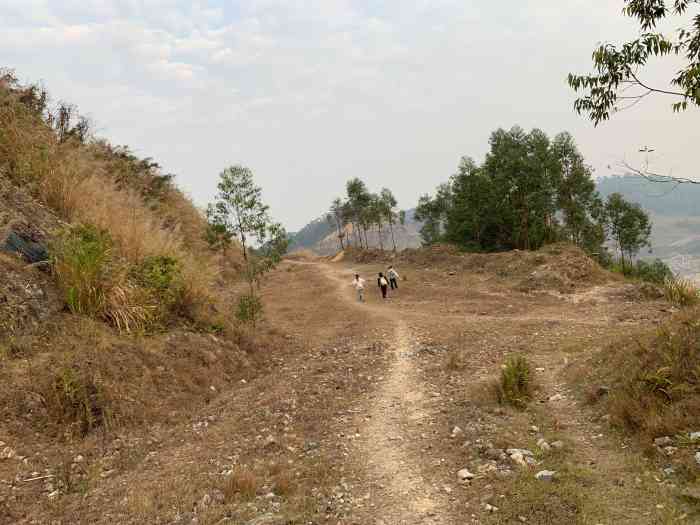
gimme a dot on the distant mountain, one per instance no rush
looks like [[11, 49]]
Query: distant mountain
[[659, 198]]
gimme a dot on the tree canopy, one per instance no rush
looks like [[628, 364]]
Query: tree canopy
[[618, 82]]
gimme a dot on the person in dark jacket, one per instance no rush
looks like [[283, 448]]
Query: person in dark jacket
[[383, 284]]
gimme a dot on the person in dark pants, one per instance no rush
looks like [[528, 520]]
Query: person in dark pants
[[383, 284], [393, 278]]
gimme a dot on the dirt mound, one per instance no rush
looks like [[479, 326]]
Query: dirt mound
[[560, 267]]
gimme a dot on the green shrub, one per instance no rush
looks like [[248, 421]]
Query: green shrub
[[161, 276], [656, 272], [250, 309], [515, 387], [81, 258], [681, 292]]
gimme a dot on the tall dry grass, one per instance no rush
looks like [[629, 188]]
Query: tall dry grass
[[84, 184]]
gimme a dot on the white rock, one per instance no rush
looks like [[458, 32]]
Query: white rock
[[695, 436], [545, 475], [456, 431], [518, 459], [54, 494], [7, 453], [556, 397], [543, 445], [663, 441], [78, 459], [557, 444], [534, 429], [522, 451], [490, 508], [465, 475], [697, 458]]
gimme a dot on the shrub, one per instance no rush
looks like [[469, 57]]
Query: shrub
[[657, 381], [161, 276], [515, 387], [656, 272], [81, 259], [681, 292], [250, 309]]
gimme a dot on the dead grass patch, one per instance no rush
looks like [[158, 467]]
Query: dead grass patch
[[243, 484]]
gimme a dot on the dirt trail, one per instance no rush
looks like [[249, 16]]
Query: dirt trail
[[395, 418]]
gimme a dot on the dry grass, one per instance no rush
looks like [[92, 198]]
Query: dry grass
[[243, 484], [99, 186], [682, 292]]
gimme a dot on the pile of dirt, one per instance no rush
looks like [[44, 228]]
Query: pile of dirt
[[560, 267]]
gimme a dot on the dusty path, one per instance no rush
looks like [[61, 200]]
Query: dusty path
[[395, 419]]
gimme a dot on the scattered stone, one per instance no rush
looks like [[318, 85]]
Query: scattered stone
[[557, 444], [270, 441], [495, 454], [670, 451], [663, 441], [465, 475], [522, 519], [539, 369], [697, 458], [534, 429], [8, 453], [669, 471], [490, 508], [603, 391], [522, 451], [54, 494], [543, 445], [518, 459], [78, 459], [695, 436], [545, 475], [556, 397], [456, 431]]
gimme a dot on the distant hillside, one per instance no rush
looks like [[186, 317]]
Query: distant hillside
[[675, 214], [659, 198], [321, 238]]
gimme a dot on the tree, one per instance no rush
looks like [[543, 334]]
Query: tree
[[433, 211], [217, 234], [577, 198], [358, 203], [388, 203], [629, 226], [337, 218], [618, 69], [240, 208]]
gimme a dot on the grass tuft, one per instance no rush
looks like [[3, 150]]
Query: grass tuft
[[515, 386], [681, 292], [241, 484]]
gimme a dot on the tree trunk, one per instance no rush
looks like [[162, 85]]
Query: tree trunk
[[393, 240], [381, 241]]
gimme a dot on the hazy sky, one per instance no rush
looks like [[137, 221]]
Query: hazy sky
[[309, 93]]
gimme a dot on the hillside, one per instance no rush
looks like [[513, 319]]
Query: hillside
[[675, 214], [319, 237]]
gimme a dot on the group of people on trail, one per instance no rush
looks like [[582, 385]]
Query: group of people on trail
[[391, 279]]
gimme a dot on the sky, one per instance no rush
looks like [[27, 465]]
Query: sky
[[310, 93]]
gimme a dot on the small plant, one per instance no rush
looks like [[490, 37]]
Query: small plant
[[242, 483], [515, 387], [74, 398], [681, 292], [250, 309], [81, 257]]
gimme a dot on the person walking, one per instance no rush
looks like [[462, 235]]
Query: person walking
[[393, 278], [359, 284], [383, 284]]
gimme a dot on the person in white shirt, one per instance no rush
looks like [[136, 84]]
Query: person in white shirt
[[393, 278], [359, 284]]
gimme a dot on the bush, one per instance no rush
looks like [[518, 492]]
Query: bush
[[515, 387], [656, 272], [657, 380], [161, 276], [81, 260], [250, 309], [681, 292]]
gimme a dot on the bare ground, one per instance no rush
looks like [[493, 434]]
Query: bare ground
[[352, 420]]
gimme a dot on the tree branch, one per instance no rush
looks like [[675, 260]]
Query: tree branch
[[657, 177], [654, 89]]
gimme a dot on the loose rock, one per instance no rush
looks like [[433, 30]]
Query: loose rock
[[663, 441], [465, 475], [543, 445], [545, 475]]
